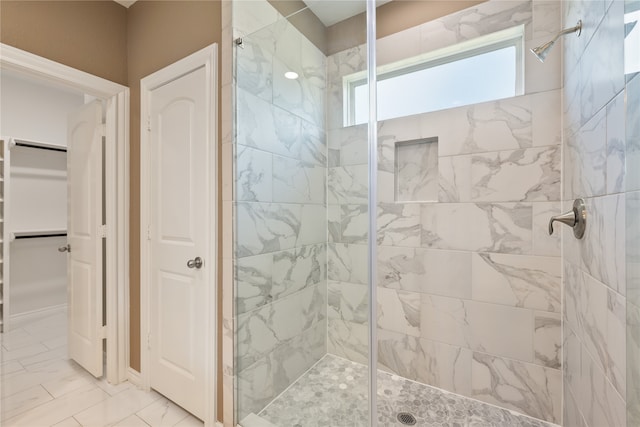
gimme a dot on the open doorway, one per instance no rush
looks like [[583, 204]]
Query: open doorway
[[39, 100]]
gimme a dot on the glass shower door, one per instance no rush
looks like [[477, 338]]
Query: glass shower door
[[301, 219]]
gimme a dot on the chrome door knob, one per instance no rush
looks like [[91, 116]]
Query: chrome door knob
[[66, 248], [195, 263]]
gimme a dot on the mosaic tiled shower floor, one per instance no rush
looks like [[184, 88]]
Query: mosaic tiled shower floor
[[334, 394]]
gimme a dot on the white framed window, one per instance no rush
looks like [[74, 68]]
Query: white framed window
[[478, 70]]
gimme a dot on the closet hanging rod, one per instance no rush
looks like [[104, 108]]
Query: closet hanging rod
[[37, 234], [38, 144]]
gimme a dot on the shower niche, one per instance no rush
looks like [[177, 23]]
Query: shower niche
[[416, 170]]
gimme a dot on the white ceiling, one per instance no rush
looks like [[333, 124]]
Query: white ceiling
[[334, 11], [328, 11]]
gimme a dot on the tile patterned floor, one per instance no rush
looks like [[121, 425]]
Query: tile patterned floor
[[40, 386], [333, 393]]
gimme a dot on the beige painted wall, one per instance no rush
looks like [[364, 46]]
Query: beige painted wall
[[88, 35], [159, 33]]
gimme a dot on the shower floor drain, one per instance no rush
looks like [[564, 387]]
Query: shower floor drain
[[406, 418]]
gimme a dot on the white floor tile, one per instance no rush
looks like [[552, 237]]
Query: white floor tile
[[23, 401], [58, 410], [162, 412], [69, 422], [11, 368], [132, 421], [190, 421], [30, 350], [16, 339], [113, 389], [21, 381], [57, 342], [61, 386], [58, 353], [116, 408]]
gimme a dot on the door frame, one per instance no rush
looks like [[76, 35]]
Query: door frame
[[116, 189], [207, 58]]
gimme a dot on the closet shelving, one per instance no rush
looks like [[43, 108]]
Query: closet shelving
[[9, 232]]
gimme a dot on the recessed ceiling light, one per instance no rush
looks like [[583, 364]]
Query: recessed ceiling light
[[291, 75]]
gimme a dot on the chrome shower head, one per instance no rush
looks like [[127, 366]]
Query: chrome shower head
[[542, 51]]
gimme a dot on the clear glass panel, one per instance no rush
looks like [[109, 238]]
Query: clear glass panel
[[301, 312]]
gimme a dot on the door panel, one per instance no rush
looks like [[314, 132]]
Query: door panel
[[84, 175], [179, 219]]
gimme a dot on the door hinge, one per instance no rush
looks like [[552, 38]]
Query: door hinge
[[102, 129], [149, 340], [149, 123], [103, 332], [149, 232], [102, 231]]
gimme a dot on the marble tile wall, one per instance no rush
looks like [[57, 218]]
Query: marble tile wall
[[279, 201], [469, 281], [595, 310]]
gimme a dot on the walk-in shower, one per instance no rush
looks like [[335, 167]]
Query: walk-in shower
[[465, 324]]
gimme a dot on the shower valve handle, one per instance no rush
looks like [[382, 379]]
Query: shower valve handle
[[576, 218]]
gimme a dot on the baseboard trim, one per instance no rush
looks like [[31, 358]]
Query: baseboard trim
[[134, 377], [20, 319]]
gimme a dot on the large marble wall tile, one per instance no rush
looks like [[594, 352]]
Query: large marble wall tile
[[301, 96], [352, 143], [547, 339], [498, 227], [632, 130], [398, 224], [354, 224], [522, 175], [312, 147], [490, 328], [632, 253], [299, 268], [348, 302], [490, 126], [339, 65], [518, 281], [603, 245], [251, 16], [262, 331], [547, 117], [616, 166], [260, 383], [348, 184], [572, 362], [546, 18], [310, 232], [602, 66], [430, 362], [399, 311], [633, 363], [602, 405], [473, 22], [416, 170], [266, 227], [425, 271], [253, 175], [543, 243], [254, 68], [334, 226], [525, 387], [571, 417], [591, 13], [348, 340], [454, 179], [540, 77], [394, 131], [298, 182], [254, 282], [571, 100], [347, 263], [588, 157], [266, 127]]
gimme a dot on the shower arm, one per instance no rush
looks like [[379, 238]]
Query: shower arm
[[577, 28]]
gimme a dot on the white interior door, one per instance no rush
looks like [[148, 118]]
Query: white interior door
[[179, 233], [84, 230]]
